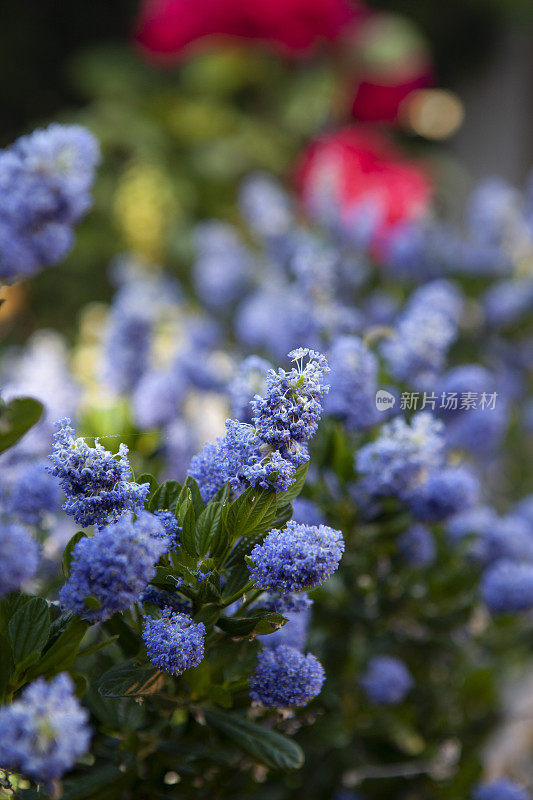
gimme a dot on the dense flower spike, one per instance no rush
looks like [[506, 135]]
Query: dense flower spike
[[268, 454], [299, 557], [98, 488], [502, 789], [284, 678], [19, 557], [174, 642], [401, 456], [113, 567], [45, 182], [386, 680], [507, 587], [44, 731], [289, 413]]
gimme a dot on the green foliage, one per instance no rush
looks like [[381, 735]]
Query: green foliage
[[16, 418]]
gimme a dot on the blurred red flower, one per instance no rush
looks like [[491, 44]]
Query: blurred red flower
[[167, 27], [356, 177], [380, 102]]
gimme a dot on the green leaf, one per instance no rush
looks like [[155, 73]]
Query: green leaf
[[16, 418], [102, 782], [260, 622], [61, 655], [294, 490], [67, 552], [29, 629], [208, 614], [283, 515], [208, 527], [267, 746], [115, 712], [252, 513], [9, 605], [187, 519], [164, 497], [128, 679], [6, 664], [191, 491], [92, 603], [146, 477]]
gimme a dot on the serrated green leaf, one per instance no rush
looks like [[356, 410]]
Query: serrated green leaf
[[128, 679], [29, 629], [68, 551], [252, 513], [268, 747], [16, 418]]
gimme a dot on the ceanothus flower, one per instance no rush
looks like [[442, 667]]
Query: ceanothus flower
[[44, 731], [502, 789], [445, 492], [19, 557], [34, 494], [299, 557], [113, 567], [45, 182], [288, 414], [353, 379], [507, 587], [401, 456], [98, 488], [424, 332], [386, 680], [285, 678], [417, 546], [174, 642]]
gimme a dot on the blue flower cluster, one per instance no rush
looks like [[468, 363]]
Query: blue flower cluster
[[507, 586], [285, 678], [268, 454], [353, 380], [445, 492], [220, 272], [299, 557], [19, 557], [174, 642], [45, 183], [165, 599], [33, 495], [44, 731], [386, 680], [97, 486], [401, 456], [111, 569], [424, 332], [502, 789]]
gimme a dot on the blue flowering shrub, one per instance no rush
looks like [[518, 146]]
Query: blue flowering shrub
[[328, 562]]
